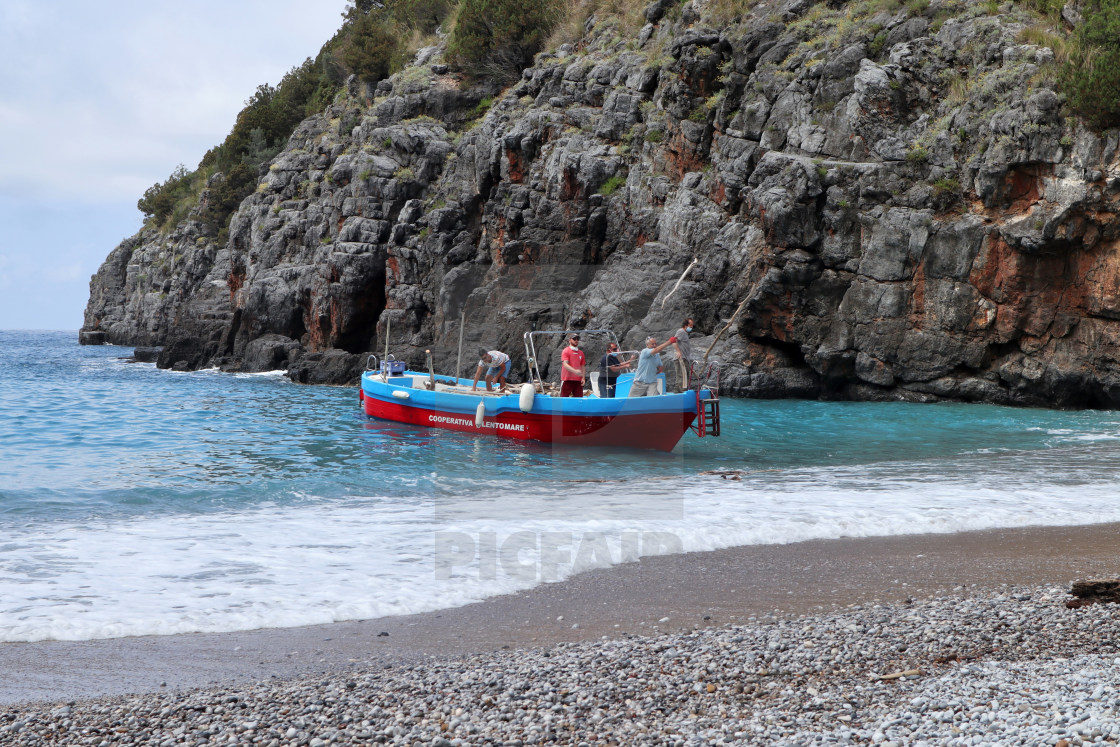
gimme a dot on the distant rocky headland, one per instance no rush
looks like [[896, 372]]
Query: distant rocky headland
[[878, 200]]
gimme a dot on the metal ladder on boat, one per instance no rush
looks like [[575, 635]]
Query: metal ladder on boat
[[706, 377], [707, 416]]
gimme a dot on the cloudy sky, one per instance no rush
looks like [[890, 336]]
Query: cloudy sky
[[98, 101]]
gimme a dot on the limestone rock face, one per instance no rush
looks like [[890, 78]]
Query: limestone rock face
[[880, 207]]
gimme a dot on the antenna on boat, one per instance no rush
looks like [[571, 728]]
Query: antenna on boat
[[459, 361], [431, 370]]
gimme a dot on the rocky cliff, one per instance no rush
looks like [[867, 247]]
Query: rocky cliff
[[878, 201]]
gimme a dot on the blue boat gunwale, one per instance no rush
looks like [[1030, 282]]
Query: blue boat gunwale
[[466, 403]]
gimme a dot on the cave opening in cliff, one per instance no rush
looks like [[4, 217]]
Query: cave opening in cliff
[[790, 351], [358, 334]]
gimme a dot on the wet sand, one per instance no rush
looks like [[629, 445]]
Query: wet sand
[[693, 590]]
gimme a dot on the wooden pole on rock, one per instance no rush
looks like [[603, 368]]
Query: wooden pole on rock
[[459, 362]]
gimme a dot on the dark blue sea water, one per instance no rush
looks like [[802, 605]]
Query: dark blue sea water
[[137, 501]]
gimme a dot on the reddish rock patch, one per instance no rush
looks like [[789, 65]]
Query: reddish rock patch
[[1022, 187], [516, 166]]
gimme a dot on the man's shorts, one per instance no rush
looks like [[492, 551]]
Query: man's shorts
[[571, 388], [640, 389], [495, 370]]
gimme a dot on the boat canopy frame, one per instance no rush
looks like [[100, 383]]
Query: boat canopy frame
[[531, 346]]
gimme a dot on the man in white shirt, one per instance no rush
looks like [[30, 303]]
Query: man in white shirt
[[496, 364]]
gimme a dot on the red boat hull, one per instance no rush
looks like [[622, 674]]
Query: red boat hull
[[659, 431]]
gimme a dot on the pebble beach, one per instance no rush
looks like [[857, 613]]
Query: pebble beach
[[1011, 665]]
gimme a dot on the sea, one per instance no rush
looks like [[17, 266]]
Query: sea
[[138, 501]]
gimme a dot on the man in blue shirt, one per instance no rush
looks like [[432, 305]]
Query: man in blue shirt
[[649, 366]]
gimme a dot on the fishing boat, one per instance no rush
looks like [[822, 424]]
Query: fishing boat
[[534, 410]]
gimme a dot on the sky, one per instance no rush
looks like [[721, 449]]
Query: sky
[[98, 102]]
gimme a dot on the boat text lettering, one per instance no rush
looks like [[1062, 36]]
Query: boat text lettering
[[468, 422]]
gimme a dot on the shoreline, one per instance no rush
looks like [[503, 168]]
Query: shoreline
[[663, 594]]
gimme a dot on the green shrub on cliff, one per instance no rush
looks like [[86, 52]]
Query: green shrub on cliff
[[1090, 76], [228, 192], [498, 38], [423, 16], [1052, 9], [1088, 59], [612, 185], [371, 47], [159, 200]]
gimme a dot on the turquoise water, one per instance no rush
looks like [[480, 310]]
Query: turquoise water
[[136, 501]]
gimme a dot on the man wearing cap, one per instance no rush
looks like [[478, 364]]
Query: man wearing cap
[[496, 364], [573, 370], [649, 366]]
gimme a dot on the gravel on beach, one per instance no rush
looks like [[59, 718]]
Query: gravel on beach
[[1010, 666]]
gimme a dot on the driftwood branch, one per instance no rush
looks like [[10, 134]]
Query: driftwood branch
[[900, 675], [679, 281], [1093, 591], [726, 327]]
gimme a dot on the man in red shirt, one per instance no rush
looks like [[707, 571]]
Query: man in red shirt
[[572, 369]]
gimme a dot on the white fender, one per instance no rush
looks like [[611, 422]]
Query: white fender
[[528, 392], [400, 395], [480, 414]]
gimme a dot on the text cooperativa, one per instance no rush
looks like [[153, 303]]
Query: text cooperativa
[[444, 419]]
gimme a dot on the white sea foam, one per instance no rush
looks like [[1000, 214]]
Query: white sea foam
[[281, 566]]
